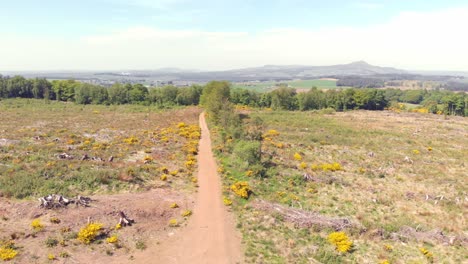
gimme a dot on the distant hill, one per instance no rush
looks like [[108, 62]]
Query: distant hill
[[359, 68], [267, 72]]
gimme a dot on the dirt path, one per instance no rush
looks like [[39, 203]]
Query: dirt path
[[210, 236]]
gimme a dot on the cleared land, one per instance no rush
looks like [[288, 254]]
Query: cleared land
[[66, 149], [395, 183]]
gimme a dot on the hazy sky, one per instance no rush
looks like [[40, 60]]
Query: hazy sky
[[225, 34]]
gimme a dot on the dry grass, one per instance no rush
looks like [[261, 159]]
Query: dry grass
[[399, 172], [65, 149], [34, 135]]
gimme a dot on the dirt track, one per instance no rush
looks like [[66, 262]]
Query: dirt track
[[210, 236]]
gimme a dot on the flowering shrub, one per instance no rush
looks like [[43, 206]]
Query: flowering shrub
[[297, 156], [51, 257], [186, 213], [420, 110], [174, 205], [7, 253], [227, 201], [164, 170], [303, 165], [148, 159], [270, 134], [173, 223], [388, 247], [89, 233], [181, 125], [131, 140], [429, 256], [37, 225], [242, 189], [163, 177], [279, 145], [327, 167], [189, 164], [341, 241], [112, 240]]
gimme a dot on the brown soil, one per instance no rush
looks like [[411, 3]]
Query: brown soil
[[210, 236], [150, 209]]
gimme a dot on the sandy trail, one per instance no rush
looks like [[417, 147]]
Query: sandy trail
[[210, 236]]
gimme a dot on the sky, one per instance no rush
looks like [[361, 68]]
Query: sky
[[227, 34]]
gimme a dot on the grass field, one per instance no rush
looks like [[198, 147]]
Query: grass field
[[299, 84], [397, 181], [65, 148]]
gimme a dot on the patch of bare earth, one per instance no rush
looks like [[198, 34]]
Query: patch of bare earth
[[150, 210]]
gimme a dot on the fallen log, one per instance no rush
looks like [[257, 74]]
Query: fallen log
[[52, 201], [302, 218]]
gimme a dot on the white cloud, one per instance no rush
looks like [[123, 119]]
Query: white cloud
[[412, 40]]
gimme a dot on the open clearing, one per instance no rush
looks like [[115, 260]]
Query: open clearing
[[395, 183], [66, 148]]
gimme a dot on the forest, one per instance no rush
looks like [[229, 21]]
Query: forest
[[383, 80], [283, 98]]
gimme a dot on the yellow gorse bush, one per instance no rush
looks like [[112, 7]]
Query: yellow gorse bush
[[37, 225], [327, 167], [242, 189], [7, 253], [131, 140], [249, 173], [112, 240], [303, 165], [186, 213], [270, 134], [227, 201], [297, 156], [427, 253], [89, 233], [341, 241], [173, 222]]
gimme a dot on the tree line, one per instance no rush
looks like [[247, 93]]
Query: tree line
[[380, 81], [85, 93], [283, 98], [435, 101]]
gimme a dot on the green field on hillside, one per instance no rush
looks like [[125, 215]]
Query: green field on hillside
[[299, 84]]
